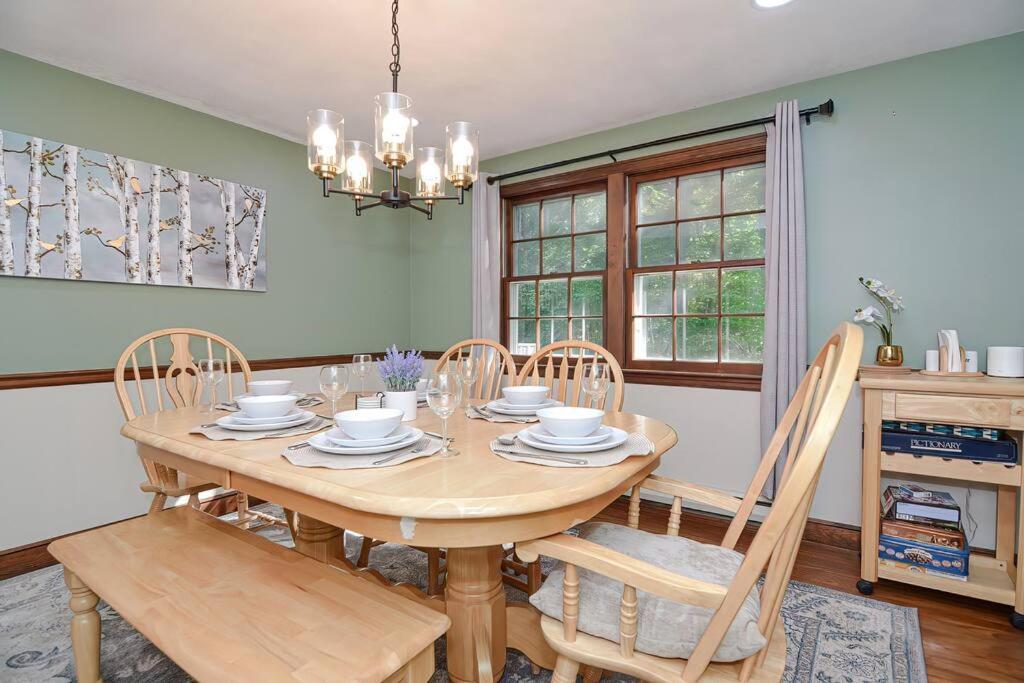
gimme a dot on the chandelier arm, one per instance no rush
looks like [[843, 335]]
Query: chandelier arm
[[364, 207], [350, 193], [418, 208]]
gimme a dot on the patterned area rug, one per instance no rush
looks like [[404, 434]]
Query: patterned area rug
[[833, 637]]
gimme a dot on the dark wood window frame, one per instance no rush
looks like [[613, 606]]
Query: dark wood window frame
[[619, 180]]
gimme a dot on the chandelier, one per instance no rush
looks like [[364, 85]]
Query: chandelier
[[331, 156]]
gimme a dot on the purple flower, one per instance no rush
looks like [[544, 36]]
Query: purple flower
[[400, 370]]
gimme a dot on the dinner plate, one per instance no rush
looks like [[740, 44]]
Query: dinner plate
[[292, 414], [617, 438], [228, 422], [539, 432], [322, 443], [297, 394], [505, 409], [339, 437]]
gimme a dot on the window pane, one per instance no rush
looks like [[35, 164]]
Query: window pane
[[526, 221], [652, 294], [526, 258], [743, 290], [656, 246], [553, 329], [557, 257], [700, 195], [697, 339], [656, 201], [744, 237], [590, 252], [587, 296], [522, 336], [697, 291], [522, 297], [588, 329], [744, 188], [590, 212], [743, 339], [699, 241], [556, 216], [554, 297], [652, 338]]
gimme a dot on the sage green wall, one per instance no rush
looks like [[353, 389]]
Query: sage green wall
[[916, 180], [337, 284]]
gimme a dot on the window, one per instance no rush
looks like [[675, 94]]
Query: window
[[556, 261], [697, 279]]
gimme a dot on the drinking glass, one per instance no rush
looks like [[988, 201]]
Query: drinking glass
[[595, 382], [469, 370], [211, 373], [444, 394], [362, 363], [333, 384]]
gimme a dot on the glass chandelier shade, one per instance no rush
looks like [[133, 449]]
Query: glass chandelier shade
[[429, 170], [393, 126], [461, 154], [358, 167], [325, 135]]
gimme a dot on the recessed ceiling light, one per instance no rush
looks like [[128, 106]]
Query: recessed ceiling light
[[770, 4]]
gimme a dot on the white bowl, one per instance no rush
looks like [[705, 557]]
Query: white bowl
[[525, 395], [369, 423], [270, 387], [266, 406], [570, 422]]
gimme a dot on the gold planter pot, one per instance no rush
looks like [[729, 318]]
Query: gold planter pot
[[889, 355]]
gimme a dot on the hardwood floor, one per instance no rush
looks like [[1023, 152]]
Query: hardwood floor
[[964, 639]]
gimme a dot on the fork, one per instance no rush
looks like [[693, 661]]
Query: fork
[[538, 456], [420, 447]]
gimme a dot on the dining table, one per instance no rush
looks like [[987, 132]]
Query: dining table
[[469, 504]]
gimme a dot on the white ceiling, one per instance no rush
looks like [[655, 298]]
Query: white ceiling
[[527, 72]]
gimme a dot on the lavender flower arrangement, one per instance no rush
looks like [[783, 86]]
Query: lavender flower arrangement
[[400, 370]]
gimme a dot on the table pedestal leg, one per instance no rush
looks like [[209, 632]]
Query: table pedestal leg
[[475, 600], [318, 540]]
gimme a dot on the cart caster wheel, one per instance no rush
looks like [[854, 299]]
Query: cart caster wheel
[[1017, 619], [867, 588]]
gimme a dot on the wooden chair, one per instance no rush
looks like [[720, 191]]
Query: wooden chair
[[555, 363], [808, 426], [227, 605], [180, 385]]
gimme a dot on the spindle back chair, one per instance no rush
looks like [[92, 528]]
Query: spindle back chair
[[563, 362], [494, 361]]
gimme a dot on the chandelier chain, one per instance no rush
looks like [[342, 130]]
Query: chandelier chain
[[395, 48]]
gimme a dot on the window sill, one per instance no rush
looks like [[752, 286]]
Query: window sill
[[693, 379]]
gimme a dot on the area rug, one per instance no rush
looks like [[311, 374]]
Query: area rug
[[833, 637]]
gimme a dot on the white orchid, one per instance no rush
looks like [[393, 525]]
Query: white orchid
[[870, 315], [867, 314]]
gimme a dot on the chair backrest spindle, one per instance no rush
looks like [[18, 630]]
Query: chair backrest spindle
[[494, 363], [542, 368]]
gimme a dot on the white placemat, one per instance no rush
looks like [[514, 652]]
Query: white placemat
[[635, 444], [220, 434], [307, 456], [307, 402], [476, 413]]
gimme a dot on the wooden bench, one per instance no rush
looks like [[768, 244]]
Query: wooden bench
[[228, 605]]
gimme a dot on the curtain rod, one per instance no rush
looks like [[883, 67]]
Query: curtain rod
[[824, 109]]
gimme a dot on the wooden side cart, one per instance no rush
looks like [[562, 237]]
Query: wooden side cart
[[979, 401]]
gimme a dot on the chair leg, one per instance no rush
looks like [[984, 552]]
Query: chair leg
[[433, 571], [193, 501], [533, 577], [242, 506], [364, 552], [85, 629], [565, 670], [157, 504]]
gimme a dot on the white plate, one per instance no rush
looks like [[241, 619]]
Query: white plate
[[507, 409], [537, 431], [617, 438], [228, 422], [243, 419], [297, 394], [338, 437], [322, 443]]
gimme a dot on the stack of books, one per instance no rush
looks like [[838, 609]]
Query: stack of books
[[921, 532]]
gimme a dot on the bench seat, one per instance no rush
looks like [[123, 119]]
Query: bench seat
[[228, 605]]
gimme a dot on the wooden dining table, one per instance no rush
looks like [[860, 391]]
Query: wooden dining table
[[469, 504]]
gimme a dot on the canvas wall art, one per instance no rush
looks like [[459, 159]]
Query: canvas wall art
[[76, 214]]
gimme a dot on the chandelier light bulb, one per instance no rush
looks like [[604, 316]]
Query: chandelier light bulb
[[325, 140], [429, 175], [460, 161], [358, 167], [394, 127], [324, 134], [431, 172], [462, 151], [355, 167]]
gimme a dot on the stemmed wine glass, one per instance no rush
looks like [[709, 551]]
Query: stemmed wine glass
[[469, 370], [211, 373], [595, 382], [444, 393], [362, 363], [334, 384]]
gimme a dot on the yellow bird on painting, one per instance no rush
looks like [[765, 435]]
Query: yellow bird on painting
[[14, 201], [116, 242]]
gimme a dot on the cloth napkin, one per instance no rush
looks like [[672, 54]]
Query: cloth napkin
[[307, 402], [308, 456], [221, 434], [635, 444], [476, 413]]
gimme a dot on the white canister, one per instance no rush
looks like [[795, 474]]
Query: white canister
[[931, 360], [402, 400], [1006, 361], [971, 361]]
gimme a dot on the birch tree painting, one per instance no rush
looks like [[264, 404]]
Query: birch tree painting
[[75, 214]]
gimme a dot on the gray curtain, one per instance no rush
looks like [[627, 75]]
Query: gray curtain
[[785, 309], [486, 259]]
